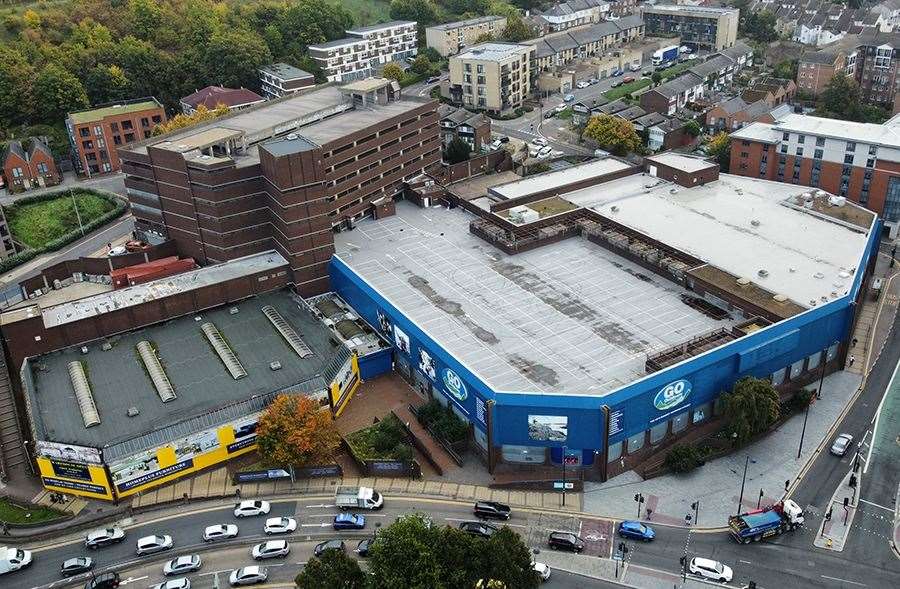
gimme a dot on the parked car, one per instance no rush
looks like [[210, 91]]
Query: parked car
[[550, 114], [248, 576], [251, 508], [593, 81], [561, 107], [582, 84], [646, 73], [539, 141], [569, 97], [76, 566], [323, 547], [219, 532], [634, 67], [616, 72], [271, 549], [119, 250], [503, 139], [545, 151], [480, 529], [103, 581], [542, 570], [492, 510], [173, 584], [565, 541], [533, 150], [280, 525], [627, 79], [104, 537], [685, 49], [187, 563], [616, 83], [433, 79], [348, 521], [710, 569], [841, 444], [692, 57], [636, 531], [495, 144], [153, 544], [363, 547]]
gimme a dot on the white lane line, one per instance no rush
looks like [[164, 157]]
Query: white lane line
[[878, 417], [843, 581], [745, 561], [876, 505], [323, 505], [214, 573]]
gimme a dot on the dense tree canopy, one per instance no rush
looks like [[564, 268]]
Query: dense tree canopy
[[841, 100], [295, 430], [613, 133], [750, 408]]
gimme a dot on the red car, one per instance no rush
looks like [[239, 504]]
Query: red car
[[627, 80]]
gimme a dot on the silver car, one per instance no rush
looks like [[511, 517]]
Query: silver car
[[104, 537], [219, 532], [248, 576], [153, 544], [173, 584], [271, 549], [183, 564], [841, 444]]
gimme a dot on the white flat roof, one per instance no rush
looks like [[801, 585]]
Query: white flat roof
[[682, 162], [758, 132], [887, 135], [807, 256], [559, 178], [493, 51]]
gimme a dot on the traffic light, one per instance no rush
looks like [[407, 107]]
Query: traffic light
[[828, 515], [846, 501], [694, 505]]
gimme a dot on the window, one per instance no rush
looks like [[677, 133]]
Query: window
[[129, 137], [157, 119], [98, 131], [786, 136], [480, 69], [820, 142], [106, 167], [481, 101], [813, 361], [801, 138], [873, 150], [146, 134], [701, 413], [797, 368], [103, 155], [523, 454], [481, 80], [680, 421], [851, 146], [17, 172], [635, 443], [892, 200], [42, 168], [870, 163], [114, 127], [778, 377], [745, 154], [84, 132], [117, 140], [848, 159], [468, 67], [145, 122], [783, 148], [658, 432], [126, 125], [799, 151], [614, 452], [87, 144], [817, 154]]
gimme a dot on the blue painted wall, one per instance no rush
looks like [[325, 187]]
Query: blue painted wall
[[707, 376], [376, 364]]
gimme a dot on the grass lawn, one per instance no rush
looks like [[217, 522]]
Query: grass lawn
[[565, 115], [14, 514], [616, 93], [37, 223]]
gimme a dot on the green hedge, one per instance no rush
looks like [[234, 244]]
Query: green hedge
[[443, 422], [64, 240]]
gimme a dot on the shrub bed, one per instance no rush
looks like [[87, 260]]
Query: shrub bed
[[444, 423], [386, 440], [685, 458]]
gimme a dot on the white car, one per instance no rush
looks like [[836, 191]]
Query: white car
[[119, 250], [153, 544], [98, 538], [271, 549], [495, 144], [219, 532], [183, 564], [539, 141], [173, 584], [541, 569], [582, 84], [248, 576], [533, 150], [561, 107], [545, 151], [280, 525], [251, 508], [710, 569]]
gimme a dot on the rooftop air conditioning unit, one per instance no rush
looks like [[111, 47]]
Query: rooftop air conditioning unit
[[780, 298], [763, 273], [292, 136], [754, 222]]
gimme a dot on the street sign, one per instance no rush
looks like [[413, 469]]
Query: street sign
[[560, 485]]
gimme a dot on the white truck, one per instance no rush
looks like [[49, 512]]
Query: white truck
[[13, 559], [347, 498], [665, 55]]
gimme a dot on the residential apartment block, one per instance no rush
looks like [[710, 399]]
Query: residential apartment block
[[815, 70], [877, 58], [592, 41], [860, 161], [365, 50], [494, 77], [278, 79], [285, 175], [448, 38], [212, 97], [572, 14], [28, 165], [698, 26], [458, 123], [97, 134]]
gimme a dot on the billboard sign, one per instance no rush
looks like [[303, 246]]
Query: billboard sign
[[672, 395], [455, 385], [75, 486], [71, 470], [155, 475], [69, 452]]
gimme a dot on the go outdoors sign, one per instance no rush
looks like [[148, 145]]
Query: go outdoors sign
[[455, 385], [672, 394]]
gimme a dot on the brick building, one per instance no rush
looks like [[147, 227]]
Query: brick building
[[29, 165], [815, 70], [448, 38], [877, 57], [494, 77], [860, 161], [458, 123], [212, 96], [7, 248], [286, 174], [95, 135]]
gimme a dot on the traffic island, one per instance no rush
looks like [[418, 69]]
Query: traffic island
[[837, 520]]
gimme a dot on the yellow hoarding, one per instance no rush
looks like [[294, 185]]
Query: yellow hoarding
[[74, 478]]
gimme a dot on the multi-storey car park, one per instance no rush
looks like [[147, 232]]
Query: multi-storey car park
[[601, 310]]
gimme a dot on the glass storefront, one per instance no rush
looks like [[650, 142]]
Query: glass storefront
[[523, 454], [659, 431], [679, 422], [615, 452], [635, 443]]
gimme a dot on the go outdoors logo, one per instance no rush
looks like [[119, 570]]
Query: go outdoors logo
[[672, 394], [455, 385]]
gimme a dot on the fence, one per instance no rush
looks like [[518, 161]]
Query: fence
[[374, 468], [447, 446]]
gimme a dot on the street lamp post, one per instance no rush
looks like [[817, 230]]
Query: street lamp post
[[743, 482]]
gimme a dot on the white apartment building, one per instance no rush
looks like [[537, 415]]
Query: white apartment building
[[360, 54], [494, 77], [574, 13]]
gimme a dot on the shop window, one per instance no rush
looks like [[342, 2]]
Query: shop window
[[831, 353], [814, 360], [778, 377], [635, 443], [614, 452], [680, 422], [523, 454], [481, 438], [797, 368], [658, 432], [701, 413]]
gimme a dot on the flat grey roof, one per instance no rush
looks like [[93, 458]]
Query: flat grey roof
[[354, 120], [466, 23], [548, 180], [118, 380], [378, 27], [682, 162], [568, 317], [285, 71], [493, 51]]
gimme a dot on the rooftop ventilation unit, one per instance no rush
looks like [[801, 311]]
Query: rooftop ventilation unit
[[291, 136], [155, 370], [287, 332], [763, 273], [754, 222], [83, 396], [221, 347], [743, 281]]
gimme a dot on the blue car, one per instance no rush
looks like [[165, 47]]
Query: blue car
[[349, 521], [636, 531]]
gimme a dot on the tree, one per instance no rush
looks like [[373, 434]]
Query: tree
[[16, 75], [759, 25], [656, 77], [750, 408], [407, 554], [106, 83], [423, 67], [719, 147], [332, 570], [424, 12], [508, 560], [181, 121], [612, 133], [457, 151], [393, 71], [516, 30], [295, 430], [840, 96], [786, 69], [484, 38], [692, 128], [58, 92], [233, 58]]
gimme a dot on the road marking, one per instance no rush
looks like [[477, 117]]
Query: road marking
[[876, 505], [745, 561], [322, 505], [843, 581], [322, 525], [214, 573], [133, 579], [878, 417]]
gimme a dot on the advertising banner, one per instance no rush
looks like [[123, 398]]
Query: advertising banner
[[71, 470], [155, 475], [69, 452], [241, 444], [75, 486]]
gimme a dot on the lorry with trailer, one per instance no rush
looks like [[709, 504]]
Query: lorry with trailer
[[666, 54], [13, 559], [347, 498], [774, 520]]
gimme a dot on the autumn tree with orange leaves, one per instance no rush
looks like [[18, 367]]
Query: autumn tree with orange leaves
[[295, 430]]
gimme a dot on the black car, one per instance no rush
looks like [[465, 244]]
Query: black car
[[566, 541], [103, 581], [492, 510], [76, 566], [550, 114], [503, 139], [479, 529], [327, 545], [364, 546]]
